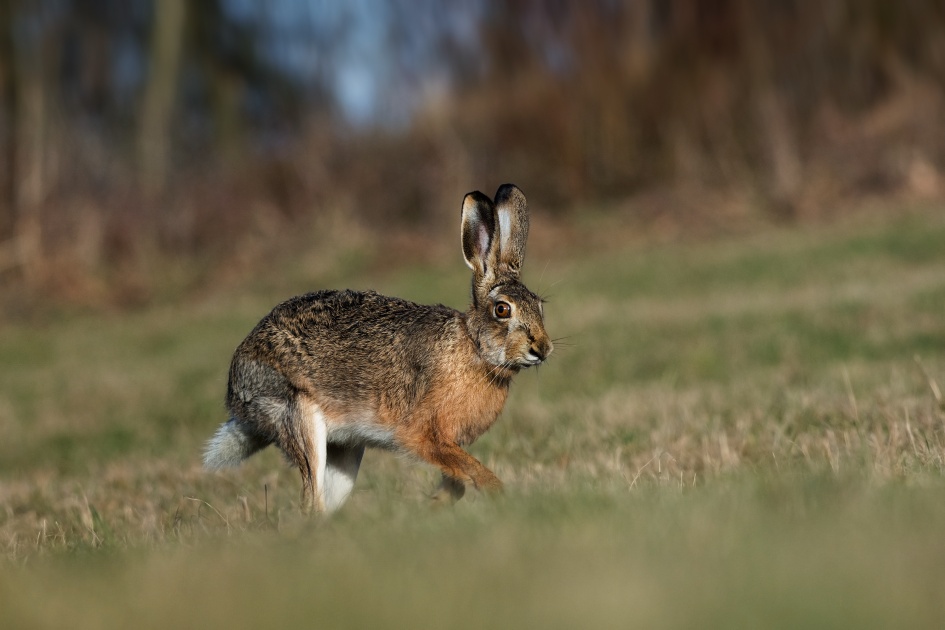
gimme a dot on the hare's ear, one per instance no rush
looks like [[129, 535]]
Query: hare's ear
[[478, 232], [512, 214]]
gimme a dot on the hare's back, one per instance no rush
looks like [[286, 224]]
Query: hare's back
[[356, 315], [346, 344], [351, 329]]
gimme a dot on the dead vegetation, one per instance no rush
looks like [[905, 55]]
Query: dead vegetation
[[796, 354]]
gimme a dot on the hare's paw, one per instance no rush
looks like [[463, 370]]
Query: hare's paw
[[448, 492], [489, 483]]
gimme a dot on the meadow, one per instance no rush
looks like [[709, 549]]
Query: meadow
[[739, 431]]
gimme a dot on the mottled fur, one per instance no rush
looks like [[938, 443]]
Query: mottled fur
[[326, 374]]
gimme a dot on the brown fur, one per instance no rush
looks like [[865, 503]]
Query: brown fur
[[357, 369]]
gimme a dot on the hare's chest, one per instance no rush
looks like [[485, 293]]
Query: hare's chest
[[466, 414]]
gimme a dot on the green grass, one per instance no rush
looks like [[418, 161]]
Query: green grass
[[735, 433]]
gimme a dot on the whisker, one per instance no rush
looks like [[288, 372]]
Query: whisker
[[497, 372], [562, 342], [542, 276]]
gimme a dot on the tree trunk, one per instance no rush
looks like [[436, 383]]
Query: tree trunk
[[774, 125], [8, 110], [157, 105], [26, 102]]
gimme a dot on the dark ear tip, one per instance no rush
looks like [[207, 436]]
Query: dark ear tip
[[508, 192], [475, 197], [474, 200]]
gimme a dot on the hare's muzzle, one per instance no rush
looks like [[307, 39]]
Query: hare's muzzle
[[539, 351]]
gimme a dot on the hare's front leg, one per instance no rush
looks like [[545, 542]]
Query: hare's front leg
[[450, 490], [459, 468]]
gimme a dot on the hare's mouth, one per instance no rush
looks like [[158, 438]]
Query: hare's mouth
[[531, 358]]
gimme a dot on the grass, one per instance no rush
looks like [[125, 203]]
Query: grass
[[744, 432]]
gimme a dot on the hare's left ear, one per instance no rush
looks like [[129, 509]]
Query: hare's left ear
[[479, 232], [512, 228]]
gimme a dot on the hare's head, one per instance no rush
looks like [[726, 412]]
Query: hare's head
[[505, 318]]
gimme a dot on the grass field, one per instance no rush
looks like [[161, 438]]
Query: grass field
[[746, 432]]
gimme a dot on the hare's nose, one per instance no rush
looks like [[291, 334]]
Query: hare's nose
[[541, 350]]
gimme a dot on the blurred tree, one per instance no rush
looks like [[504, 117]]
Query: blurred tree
[[28, 44], [383, 109], [775, 131], [8, 98], [157, 103]]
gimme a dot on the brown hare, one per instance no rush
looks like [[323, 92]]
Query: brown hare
[[328, 373]]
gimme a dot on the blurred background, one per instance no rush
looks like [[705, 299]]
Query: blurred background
[[138, 136]]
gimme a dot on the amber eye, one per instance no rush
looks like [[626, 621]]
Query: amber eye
[[502, 310]]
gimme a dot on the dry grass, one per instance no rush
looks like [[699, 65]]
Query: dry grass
[[734, 433]]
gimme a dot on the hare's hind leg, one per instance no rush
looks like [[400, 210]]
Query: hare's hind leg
[[341, 471], [304, 442]]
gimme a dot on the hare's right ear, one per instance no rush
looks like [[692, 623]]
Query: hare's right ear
[[479, 219], [512, 218]]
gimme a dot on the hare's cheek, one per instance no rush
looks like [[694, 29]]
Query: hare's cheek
[[493, 349], [517, 340]]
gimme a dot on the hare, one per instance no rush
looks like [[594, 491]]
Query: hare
[[326, 374]]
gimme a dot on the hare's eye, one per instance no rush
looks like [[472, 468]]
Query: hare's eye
[[502, 310]]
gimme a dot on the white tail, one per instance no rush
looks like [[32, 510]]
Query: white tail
[[227, 448]]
